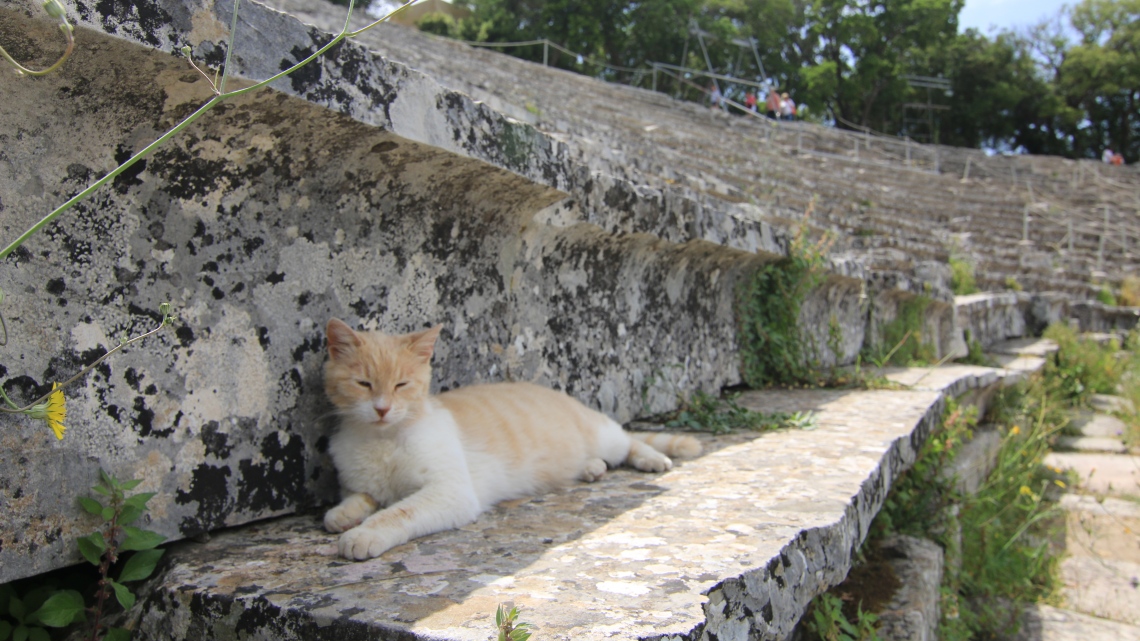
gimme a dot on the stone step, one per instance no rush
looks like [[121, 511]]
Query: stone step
[[1088, 423], [1042, 622], [1102, 587], [733, 544], [1104, 444], [1102, 527], [1110, 403], [1111, 474]]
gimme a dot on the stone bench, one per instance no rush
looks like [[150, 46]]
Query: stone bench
[[731, 545]]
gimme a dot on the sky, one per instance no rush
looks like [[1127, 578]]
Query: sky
[[1007, 14]]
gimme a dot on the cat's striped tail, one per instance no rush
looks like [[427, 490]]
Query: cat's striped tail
[[673, 445]]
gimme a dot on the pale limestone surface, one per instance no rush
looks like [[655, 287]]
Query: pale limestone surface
[[1047, 623], [1107, 444], [1111, 403], [1103, 587], [975, 460], [732, 545], [1101, 473], [1093, 424]]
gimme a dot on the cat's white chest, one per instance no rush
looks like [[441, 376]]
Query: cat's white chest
[[389, 467]]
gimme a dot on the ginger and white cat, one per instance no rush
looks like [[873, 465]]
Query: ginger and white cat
[[411, 464]]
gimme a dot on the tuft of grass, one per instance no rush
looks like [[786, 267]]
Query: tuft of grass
[[707, 413], [1129, 291], [773, 350], [962, 279], [1081, 368], [901, 340], [1105, 295], [1012, 284], [826, 621]]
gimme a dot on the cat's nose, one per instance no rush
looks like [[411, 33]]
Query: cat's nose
[[382, 411]]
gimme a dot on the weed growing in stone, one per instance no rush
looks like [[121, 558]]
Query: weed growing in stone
[[707, 413], [773, 350], [996, 540], [27, 616], [976, 354], [103, 548], [509, 630], [962, 279], [1081, 368], [905, 336], [827, 622], [1105, 295]]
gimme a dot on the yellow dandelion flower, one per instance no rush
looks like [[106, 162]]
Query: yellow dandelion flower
[[54, 411], [1026, 491], [1015, 430]]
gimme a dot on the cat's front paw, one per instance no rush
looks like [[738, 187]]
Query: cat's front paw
[[350, 513], [363, 543]]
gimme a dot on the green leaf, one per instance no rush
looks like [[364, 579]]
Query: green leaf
[[107, 512], [90, 505], [129, 514], [139, 539], [63, 608], [140, 565], [16, 609], [107, 480], [6, 593], [5, 630], [92, 547], [118, 634], [101, 490], [20, 633], [125, 597], [127, 486], [38, 634], [139, 500]]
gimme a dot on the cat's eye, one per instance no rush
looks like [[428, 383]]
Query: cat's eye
[[401, 384], [364, 384]]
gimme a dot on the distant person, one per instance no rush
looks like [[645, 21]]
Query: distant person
[[716, 97], [1107, 156], [1117, 160], [787, 107], [773, 104], [750, 102]]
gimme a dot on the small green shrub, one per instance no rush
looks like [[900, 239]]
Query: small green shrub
[[1081, 368], [1105, 295], [901, 340], [962, 279], [827, 621], [773, 350], [1012, 284], [707, 413]]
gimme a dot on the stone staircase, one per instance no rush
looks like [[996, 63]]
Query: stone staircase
[[1101, 567], [585, 236], [925, 205]]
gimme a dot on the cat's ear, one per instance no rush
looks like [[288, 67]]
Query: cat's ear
[[342, 340], [422, 344]]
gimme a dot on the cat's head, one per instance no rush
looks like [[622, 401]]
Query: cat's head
[[376, 379]]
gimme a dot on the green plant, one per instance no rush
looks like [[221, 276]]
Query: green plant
[[1012, 284], [962, 280], [1105, 295], [706, 413], [1129, 291], [43, 606], [976, 354], [103, 547], [1081, 368], [773, 350], [438, 23], [506, 626], [27, 617], [905, 334], [829, 623]]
